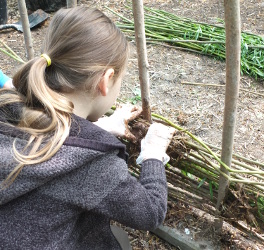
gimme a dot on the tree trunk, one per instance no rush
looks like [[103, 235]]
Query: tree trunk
[[233, 48], [26, 29], [138, 13]]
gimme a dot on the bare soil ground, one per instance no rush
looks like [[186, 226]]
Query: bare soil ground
[[202, 107]]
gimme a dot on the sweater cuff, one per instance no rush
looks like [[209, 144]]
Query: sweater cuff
[[152, 167], [159, 155]]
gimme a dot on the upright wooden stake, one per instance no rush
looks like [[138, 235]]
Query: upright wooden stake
[[71, 3], [138, 13], [26, 29], [233, 49]]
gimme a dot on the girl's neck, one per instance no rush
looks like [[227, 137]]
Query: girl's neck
[[81, 101]]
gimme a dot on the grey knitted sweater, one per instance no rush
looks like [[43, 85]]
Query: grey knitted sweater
[[68, 201]]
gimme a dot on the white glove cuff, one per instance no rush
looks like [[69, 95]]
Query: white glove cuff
[[152, 155]]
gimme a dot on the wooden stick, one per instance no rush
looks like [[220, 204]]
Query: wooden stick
[[255, 162], [220, 85], [233, 49], [11, 51], [26, 28], [138, 13], [186, 41], [11, 55]]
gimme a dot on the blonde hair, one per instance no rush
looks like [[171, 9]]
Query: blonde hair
[[82, 44]]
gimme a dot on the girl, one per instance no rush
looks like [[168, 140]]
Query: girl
[[63, 178]]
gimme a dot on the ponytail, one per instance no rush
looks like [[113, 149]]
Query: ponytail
[[81, 44], [46, 116]]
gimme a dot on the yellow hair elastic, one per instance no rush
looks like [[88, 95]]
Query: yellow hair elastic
[[47, 59]]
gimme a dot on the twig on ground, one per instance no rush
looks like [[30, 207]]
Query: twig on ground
[[220, 85], [8, 51]]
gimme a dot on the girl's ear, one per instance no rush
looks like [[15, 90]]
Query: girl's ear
[[106, 81]]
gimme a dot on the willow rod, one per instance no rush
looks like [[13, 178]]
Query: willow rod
[[220, 85], [26, 28], [138, 13], [254, 171]]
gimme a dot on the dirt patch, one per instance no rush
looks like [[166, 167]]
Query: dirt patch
[[198, 108]]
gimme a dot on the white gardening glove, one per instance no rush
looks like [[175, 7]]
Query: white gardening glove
[[117, 124], [155, 143]]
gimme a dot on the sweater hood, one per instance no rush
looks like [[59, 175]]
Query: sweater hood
[[85, 143]]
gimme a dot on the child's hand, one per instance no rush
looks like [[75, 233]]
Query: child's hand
[[117, 124], [156, 142]]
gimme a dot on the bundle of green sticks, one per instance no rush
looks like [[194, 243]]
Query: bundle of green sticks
[[193, 174], [164, 27]]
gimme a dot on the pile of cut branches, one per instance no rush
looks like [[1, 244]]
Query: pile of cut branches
[[193, 174], [184, 33]]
